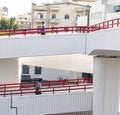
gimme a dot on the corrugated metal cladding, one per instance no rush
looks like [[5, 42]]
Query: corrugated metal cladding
[[48, 104]]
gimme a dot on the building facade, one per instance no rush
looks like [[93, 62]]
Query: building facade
[[57, 14], [3, 12], [105, 10], [24, 21], [33, 73]]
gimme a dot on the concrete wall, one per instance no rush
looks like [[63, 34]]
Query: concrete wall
[[73, 62], [104, 42], [9, 70], [97, 14], [106, 95], [53, 74], [82, 21], [114, 15]]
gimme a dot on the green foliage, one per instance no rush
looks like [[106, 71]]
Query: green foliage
[[8, 23]]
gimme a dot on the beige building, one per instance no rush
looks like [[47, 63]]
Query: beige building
[[57, 14], [85, 0], [24, 21], [3, 12]]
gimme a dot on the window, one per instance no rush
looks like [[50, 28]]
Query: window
[[25, 69], [22, 22], [77, 17], [53, 16], [66, 16], [26, 78], [40, 15], [87, 75], [38, 70]]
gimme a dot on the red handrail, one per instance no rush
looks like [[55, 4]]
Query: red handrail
[[48, 86], [84, 29], [105, 25], [81, 29]]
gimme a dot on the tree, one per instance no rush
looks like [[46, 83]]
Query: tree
[[12, 24], [8, 23], [4, 24]]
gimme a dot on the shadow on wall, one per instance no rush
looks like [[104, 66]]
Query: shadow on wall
[[74, 113]]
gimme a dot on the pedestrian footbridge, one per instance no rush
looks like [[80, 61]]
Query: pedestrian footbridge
[[26, 46], [56, 97]]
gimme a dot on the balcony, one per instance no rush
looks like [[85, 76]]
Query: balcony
[[39, 20], [79, 10], [40, 8], [85, 0], [55, 9], [54, 21]]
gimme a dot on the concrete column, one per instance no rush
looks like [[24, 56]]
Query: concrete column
[[9, 70], [106, 79], [102, 1]]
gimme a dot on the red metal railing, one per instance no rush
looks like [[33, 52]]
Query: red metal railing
[[105, 25], [48, 86], [80, 29], [56, 30]]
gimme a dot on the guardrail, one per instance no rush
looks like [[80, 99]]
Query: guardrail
[[80, 29], [105, 25], [48, 86]]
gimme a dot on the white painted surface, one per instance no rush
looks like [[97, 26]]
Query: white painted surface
[[82, 21], [9, 70], [73, 62], [54, 74], [97, 14], [106, 94], [98, 43], [106, 73], [5, 106], [42, 45], [46, 104], [104, 42], [113, 15]]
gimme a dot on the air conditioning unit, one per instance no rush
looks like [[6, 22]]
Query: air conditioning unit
[[117, 8]]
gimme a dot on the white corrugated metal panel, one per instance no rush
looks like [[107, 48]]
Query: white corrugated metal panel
[[47, 104], [42, 45], [55, 103], [5, 106]]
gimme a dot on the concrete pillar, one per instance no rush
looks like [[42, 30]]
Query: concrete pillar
[[102, 1], [106, 79], [10, 70]]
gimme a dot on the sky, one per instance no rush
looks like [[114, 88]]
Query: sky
[[16, 7]]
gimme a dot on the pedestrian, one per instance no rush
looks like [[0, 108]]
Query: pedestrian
[[43, 29], [38, 87]]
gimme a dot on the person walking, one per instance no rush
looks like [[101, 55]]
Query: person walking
[[38, 87], [43, 29]]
